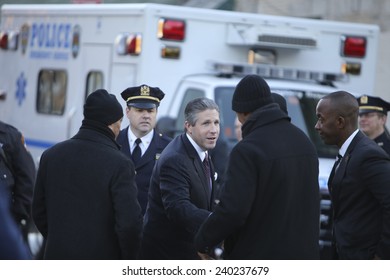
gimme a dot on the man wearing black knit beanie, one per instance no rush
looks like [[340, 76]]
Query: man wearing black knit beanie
[[269, 207], [85, 199]]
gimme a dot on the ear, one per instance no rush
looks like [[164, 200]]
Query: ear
[[188, 127], [243, 117], [340, 121], [383, 119]]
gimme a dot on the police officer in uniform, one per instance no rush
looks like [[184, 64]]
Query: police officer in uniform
[[372, 119], [17, 172], [139, 140]]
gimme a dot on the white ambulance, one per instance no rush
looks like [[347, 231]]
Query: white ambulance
[[53, 56]]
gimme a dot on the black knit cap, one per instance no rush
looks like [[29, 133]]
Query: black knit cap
[[102, 107], [251, 93], [279, 99]]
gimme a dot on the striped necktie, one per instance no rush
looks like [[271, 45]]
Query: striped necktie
[[206, 167]]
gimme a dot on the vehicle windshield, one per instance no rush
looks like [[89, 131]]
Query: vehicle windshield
[[301, 106]]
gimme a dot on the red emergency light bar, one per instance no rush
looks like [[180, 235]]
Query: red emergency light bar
[[9, 40], [3, 40], [169, 29], [128, 44], [353, 46], [133, 43]]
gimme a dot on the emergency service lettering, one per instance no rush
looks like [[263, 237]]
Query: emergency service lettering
[[50, 35], [50, 41]]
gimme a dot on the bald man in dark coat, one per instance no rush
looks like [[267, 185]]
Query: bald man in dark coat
[[359, 184]]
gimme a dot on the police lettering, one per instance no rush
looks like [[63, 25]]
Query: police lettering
[[51, 35]]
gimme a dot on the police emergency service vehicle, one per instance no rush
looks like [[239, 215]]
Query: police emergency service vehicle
[[53, 56]]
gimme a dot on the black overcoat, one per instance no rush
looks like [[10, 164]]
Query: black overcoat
[[269, 206], [85, 201], [22, 168]]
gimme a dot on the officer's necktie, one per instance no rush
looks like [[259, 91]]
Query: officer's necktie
[[206, 167], [136, 155]]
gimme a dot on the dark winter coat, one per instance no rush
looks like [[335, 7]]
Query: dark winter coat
[[85, 201], [269, 206], [17, 171]]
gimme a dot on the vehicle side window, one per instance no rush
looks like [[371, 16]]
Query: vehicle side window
[[94, 82], [190, 94], [223, 97], [52, 85], [294, 108]]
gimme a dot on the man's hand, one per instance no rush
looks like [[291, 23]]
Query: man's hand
[[204, 256]]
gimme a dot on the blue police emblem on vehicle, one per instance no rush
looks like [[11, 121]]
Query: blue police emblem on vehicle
[[21, 88], [76, 40], [24, 32]]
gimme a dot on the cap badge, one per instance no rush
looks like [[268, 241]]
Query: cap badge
[[364, 99], [145, 90]]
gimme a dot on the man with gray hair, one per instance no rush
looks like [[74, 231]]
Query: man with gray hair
[[182, 186]]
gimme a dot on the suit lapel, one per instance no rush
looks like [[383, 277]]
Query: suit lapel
[[198, 165], [338, 178], [212, 170], [150, 153], [340, 174]]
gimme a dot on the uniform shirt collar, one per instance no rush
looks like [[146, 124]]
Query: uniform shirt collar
[[145, 139]]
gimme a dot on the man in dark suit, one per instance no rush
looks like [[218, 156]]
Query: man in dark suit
[[269, 206], [372, 120], [182, 184], [85, 199], [359, 183], [141, 110]]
